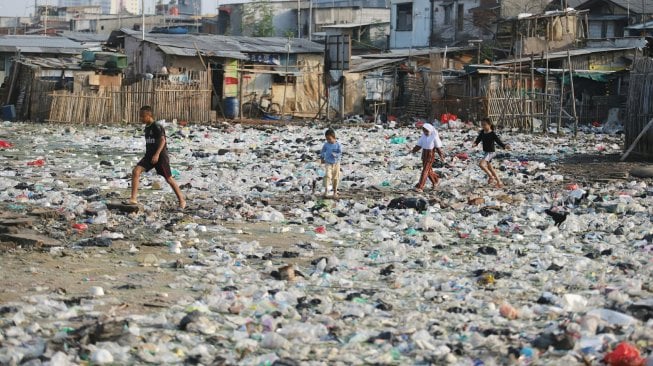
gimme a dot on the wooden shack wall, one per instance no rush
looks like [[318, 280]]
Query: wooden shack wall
[[187, 101], [31, 94], [640, 108]]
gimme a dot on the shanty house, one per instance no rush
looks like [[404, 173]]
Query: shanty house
[[245, 67], [534, 34], [12, 46], [367, 22], [417, 80], [517, 90], [36, 78], [610, 18]]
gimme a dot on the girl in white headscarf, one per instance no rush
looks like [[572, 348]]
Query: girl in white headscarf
[[429, 143]]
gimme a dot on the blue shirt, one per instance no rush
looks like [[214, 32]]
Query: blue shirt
[[331, 153]]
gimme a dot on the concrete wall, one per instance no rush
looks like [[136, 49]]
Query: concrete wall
[[445, 23], [108, 24], [418, 36], [142, 59], [377, 34]]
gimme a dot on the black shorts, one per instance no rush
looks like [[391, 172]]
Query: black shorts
[[162, 166]]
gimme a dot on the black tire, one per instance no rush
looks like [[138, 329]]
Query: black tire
[[250, 110], [274, 109]]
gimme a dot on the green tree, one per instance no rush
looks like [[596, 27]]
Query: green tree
[[258, 19]]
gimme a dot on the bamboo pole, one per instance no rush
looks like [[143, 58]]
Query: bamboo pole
[[573, 93], [532, 92], [562, 92]]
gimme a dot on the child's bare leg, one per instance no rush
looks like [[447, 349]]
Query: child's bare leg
[[175, 188], [136, 176], [494, 175], [335, 188], [484, 166]]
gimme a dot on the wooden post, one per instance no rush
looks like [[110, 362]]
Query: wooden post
[[532, 92], [14, 75], [562, 92], [547, 99], [319, 92], [240, 89], [209, 79], [639, 137], [285, 78], [520, 103], [573, 94]]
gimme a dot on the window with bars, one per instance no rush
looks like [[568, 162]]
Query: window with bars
[[404, 17]]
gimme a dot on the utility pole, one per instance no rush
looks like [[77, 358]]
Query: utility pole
[[310, 20], [45, 24], [143, 19], [299, 18], [143, 37]]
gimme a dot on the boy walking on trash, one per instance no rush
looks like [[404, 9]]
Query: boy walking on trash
[[488, 137], [330, 156], [156, 156], [429, 143]]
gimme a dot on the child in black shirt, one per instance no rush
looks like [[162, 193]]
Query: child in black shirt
[[489, 138], [156, 156]]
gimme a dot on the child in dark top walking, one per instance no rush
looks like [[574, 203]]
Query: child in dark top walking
[[488, 137], [429, 143], [156, 156]]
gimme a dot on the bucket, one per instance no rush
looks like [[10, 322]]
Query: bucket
[[231, 107], [9, 113]]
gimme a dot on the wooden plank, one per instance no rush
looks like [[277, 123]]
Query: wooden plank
[[32, 240], [632, 146], [128, 208]]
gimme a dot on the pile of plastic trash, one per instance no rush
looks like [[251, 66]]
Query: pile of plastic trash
[[465, 275]]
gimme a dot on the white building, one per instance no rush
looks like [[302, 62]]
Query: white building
[[108, 6], [427, 23], [130, 6]]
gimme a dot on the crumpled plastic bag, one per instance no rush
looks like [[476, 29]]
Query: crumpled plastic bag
[[625, 354], [38, 162]]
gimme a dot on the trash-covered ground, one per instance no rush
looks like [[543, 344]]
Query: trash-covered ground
[[261, 270]]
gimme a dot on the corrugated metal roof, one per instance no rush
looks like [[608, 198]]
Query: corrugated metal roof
[[56, 63], [548, 14], [361, 65], [353, 25], [563, 54], [633, 6], [191, 52], [647, 25], [214, 44], [85, 37], [40, 44], [404, 52]]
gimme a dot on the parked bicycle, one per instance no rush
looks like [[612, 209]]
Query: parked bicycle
[[257, 108]]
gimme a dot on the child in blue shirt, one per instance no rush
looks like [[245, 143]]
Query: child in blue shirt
[[330, 156]]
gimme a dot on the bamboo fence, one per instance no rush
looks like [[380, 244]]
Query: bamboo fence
[[640, 107], [183, 101], [512, 108]]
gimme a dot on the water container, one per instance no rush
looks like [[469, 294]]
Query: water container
[[9, 113], [231, 107]]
